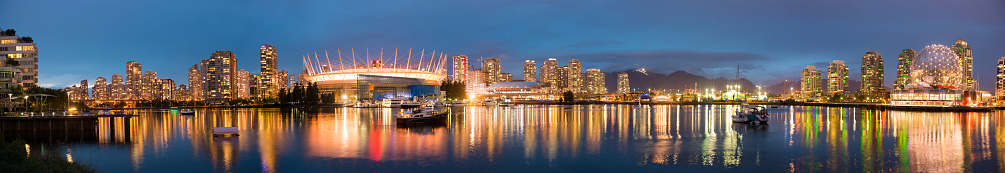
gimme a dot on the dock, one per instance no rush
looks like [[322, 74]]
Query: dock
[[85, 128], [908, 108]]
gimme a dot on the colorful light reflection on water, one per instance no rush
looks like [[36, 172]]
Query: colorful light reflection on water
[[551, 138]]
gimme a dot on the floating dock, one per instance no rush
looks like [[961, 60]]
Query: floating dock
[[909, 108], [66, 128]]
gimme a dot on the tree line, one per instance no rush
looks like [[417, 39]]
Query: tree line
[[454, 90]]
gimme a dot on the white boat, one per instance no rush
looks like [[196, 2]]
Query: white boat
[[399, 103], [421, 116], [456, 103], [364, 105], [490, 103], [188, 112], [751, 114], [506, 103], [387, 103], [221, 131]]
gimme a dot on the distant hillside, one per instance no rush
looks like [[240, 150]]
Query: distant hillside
[[674, 81]]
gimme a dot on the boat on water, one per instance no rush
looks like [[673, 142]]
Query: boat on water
[[456, 103], [490, 103], [420, 116], [506, 103], [751, 114], [188, 112], [365, 105]]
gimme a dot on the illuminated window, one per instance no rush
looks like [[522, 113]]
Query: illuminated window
[[25, 48]]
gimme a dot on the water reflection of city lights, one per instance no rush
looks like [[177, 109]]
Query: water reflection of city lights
[[798, 138]]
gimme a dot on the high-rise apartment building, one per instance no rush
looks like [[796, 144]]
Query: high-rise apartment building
[[221, 73], [529, 71], [1000, 83], [966, 57], [150, 87], [203, 73], [460, 68], [195, 82], [491, 66], [548, 74], [182, 93], [82, 91], [22, 50], [134, 79], [904, 61], [284, 79], [77, 92], [473, 85], [623, 87], [595, 82], [872, 72], [268, 82], [837, 77], [242, 83], [810, 82], [562, 79], [100, 89], [505, 77], [166, 89], [255, 85], [118, 89], [575, 76]]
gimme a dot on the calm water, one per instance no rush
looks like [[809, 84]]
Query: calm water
[[594, 138]]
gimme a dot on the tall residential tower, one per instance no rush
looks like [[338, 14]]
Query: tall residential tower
[[221, 74], [529, 71], [269, 84], [595, 83], [837, 77], [904, 61], [963, 52], [460, 68], [623, 83], [810, 82], [575, 76], [491, 71], [872, 72], [547, 76], [1000, 84], [134, 79]]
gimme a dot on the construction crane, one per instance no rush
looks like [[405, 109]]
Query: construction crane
[[785, 82]]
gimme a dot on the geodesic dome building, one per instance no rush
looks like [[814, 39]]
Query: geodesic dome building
[[936, 80], [937, 66]]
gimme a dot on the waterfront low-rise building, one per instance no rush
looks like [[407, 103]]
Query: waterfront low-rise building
[[23, 51]]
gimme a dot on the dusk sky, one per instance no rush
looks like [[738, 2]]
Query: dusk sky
[[769, 39]]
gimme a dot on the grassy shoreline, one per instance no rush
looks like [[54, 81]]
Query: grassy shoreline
[[19, 156]]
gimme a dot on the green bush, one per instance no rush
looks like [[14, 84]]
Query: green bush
[[15, 158]]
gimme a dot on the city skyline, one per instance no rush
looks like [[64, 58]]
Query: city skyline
[[703, 48]]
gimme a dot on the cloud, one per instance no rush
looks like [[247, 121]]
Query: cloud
[[709, 64], [594, 43], [59, 81], [666, 61]]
